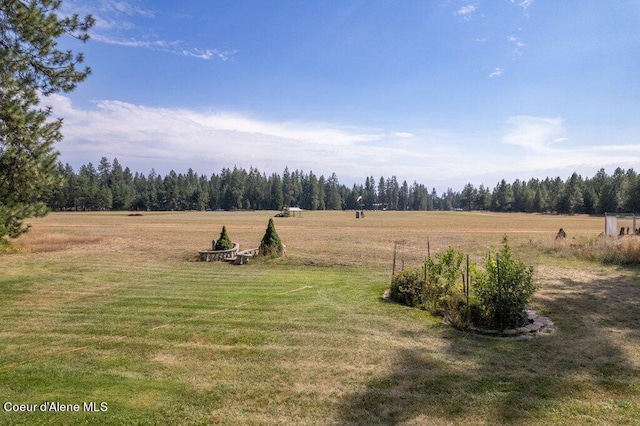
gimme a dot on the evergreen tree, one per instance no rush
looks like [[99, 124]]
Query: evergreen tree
[[271, 244], [223, 243], [403, 196], [468, 197], [369, 196], [276, 196], [31, 64]]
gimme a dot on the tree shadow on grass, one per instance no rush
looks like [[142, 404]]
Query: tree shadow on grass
[[584, 369]]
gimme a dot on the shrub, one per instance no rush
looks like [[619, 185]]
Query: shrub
[[441, 293], [503, 290], [407, 287], [499, 295], [223, 243], [271, 244], [442, 277]]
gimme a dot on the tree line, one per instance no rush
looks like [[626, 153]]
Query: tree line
[[110, 186]]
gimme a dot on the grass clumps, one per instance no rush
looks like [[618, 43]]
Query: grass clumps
[[495, 297], [622, 251], [223, 243], [271, 244]]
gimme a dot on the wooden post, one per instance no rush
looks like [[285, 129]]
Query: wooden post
[[468, 284], [395, 249], [499, 292]]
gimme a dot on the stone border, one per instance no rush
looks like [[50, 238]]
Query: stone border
[[537, 326], [215, 255]]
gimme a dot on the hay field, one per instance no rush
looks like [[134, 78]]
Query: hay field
[[109, 308], [330, 238]]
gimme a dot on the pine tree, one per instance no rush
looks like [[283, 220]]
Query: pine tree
[[32, 65], [271, 244], [223, 243]]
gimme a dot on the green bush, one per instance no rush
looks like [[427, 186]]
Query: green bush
[[223, 243], [271, 244], [503, 290], [495, 301], [407, 287]]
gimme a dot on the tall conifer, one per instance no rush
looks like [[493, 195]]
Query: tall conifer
[[31, 65]]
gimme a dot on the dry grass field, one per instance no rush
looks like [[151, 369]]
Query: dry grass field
[[110, 308]]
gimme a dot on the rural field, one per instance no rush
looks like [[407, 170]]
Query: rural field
[[113, 315]]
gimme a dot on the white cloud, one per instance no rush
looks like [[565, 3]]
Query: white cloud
[[533, 133], [525, 3], [144, 137], [466, 10], [183, 138], [496, 73], [127, 8], [115, 25], [515, 41], [403, 134]]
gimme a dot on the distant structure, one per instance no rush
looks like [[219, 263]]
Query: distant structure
[[611, 224], [290, 212], [360, 213]]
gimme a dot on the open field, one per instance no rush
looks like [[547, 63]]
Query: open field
[[109, 308]]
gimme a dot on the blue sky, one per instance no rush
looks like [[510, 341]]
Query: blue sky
[[443, 92]]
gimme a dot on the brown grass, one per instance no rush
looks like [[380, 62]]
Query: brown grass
[[53, 242], [330, 238]]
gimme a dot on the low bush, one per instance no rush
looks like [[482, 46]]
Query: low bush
[[503, 290], [498, 296], [407, 287]]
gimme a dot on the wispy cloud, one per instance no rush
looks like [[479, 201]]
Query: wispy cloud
[[143, 137], [174, 47], [517, 45], [185, 138], [523, 3], [496, 73], [515, 41], [126, 23], [127, 8], [466, 12], [534, 133], [403, 134]]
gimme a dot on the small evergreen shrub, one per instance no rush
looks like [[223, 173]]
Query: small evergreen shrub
[[271, 244], [223, 243], [503, 290]]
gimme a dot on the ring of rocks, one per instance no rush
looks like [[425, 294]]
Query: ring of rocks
[[537, 325]]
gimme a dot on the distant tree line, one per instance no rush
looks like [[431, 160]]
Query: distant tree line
[[109, 186]]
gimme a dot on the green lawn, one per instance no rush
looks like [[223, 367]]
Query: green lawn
[[182, 342]]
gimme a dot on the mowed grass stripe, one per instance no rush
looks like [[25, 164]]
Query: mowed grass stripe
[[220, 353], [116, 305]]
